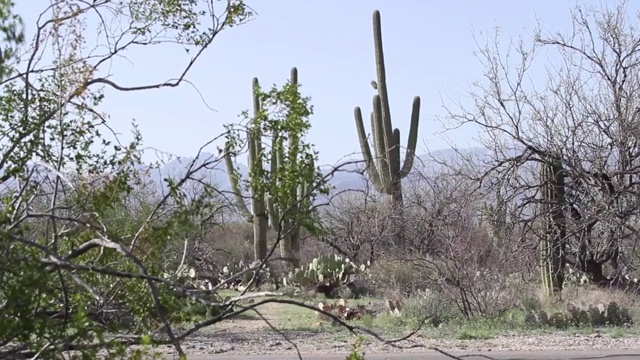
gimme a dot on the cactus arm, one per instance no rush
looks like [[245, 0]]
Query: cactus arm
[[257, 199], [255, 133], [275, 152], [254, 137], [234, 180], [294, 140], [394, 154], [272, 209], [382, 145], [256, 101], [372, 170], [385, 141], [304, 201], [256, 167], [393, 166], [413, 138], [274, 214], [380, 159], [382, 75], [303, 196], [255, 149]]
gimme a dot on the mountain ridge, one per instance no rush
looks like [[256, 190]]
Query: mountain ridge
[[347, 175]]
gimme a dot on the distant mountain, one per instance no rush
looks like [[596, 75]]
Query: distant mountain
[[212, 170], [348, 176]]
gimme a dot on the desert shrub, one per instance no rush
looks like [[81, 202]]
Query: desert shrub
[[457, 248], [427, 307], [582, 295], [358, 225], [477, 286], [392, 276], [226, 244], [530, 303]]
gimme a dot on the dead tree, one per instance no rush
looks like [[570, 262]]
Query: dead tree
[[587, 111]]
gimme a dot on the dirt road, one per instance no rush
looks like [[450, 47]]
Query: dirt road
[[469, 355]]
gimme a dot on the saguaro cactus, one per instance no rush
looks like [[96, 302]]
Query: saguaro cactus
[[384, 166], [497, 218], [281, 215], [285, 216], [258, 214], [552, 178]]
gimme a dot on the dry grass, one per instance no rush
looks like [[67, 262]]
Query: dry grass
[[290, 317], [282, 316], [582, 295]]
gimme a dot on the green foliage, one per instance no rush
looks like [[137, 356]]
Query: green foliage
[[356, 347], [85, 244], [186, 20], [12, 29], [49, 298], [284, 190]]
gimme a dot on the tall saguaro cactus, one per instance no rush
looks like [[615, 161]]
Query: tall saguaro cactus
[[283, 199], [552, 178], [285, 215], [383, 166], [258, 215]]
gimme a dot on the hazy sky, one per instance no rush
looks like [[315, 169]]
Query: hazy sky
[[428, 47]]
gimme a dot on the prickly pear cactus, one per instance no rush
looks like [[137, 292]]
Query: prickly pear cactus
[[332, 269]]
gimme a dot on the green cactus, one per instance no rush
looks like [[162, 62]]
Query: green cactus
[[383, 166], [496, 215], [265, 211], [332, 269], [258, 214], [552, 178]]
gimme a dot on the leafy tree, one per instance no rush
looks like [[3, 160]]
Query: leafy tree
[[12, 29], [282, 193], [71, 258]]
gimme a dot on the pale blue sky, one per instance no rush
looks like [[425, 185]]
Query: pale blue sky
[[428, 47]]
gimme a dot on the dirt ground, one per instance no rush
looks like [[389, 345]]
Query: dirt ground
[[285, 328], [301, 329]]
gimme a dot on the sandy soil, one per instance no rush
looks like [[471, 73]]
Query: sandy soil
[[250, 335], [263, 343]]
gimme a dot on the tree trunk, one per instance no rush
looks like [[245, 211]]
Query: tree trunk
[[397, 206], [295, 245], [260, 227], [290, 244]]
